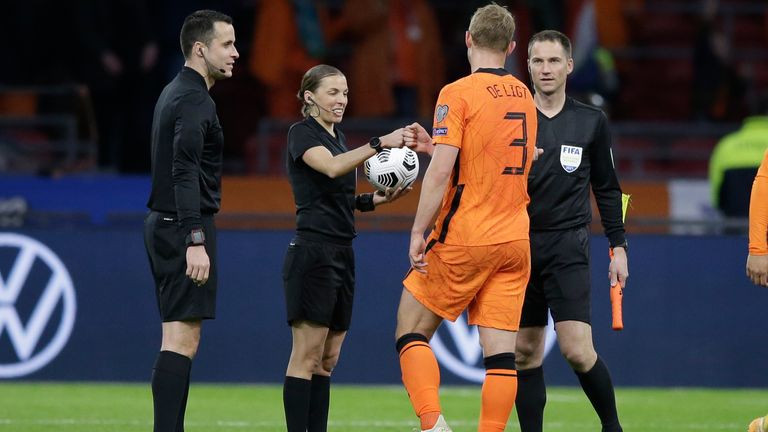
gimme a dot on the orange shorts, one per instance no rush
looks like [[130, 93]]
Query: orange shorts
[[488, 281]]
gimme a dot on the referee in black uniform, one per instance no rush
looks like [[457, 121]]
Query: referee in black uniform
[[179, 231], [577, 153], [319, 268]]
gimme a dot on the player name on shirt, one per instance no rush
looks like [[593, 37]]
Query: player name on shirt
[[507, 90]]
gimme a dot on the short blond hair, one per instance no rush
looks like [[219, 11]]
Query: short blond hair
[[492, 27]]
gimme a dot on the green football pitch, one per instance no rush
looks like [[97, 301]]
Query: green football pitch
[[85, 407]]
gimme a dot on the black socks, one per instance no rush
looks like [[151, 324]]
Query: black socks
[[306, 403], [531, 399], [170, 387], [598, 387], [296, 398], [319, 403]]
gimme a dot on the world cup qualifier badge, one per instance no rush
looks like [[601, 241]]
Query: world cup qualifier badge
[[441, 113], [570, 157]]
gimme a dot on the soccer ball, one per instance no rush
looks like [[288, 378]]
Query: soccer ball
[[392, 168]]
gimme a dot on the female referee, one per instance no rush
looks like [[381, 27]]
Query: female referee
[[319, 267]]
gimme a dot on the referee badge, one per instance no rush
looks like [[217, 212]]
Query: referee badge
[[570, 157]]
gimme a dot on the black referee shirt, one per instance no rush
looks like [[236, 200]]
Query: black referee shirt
[[324, 206], [577, 153], [187, 145]]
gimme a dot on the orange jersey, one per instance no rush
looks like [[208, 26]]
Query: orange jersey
[[490, 116], [758, 211]]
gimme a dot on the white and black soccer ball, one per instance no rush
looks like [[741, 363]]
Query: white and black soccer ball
[[392, 168]]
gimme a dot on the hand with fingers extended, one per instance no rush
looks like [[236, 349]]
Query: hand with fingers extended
[[390, 194], [198, 265]]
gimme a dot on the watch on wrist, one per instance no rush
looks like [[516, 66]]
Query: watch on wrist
[[621, 245], [375, 144], [196, 237]]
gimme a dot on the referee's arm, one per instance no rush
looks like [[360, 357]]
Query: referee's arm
[[605, 184], [188, 139], [757, 260]]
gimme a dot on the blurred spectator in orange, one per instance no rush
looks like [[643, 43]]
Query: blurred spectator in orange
[[614, 19], [594, 78], [290, 36], [397, 66], [718, 87]]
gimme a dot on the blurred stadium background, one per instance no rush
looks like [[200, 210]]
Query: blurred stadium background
[[77, 86]]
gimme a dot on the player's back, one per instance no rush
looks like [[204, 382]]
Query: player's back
[[491, 117]]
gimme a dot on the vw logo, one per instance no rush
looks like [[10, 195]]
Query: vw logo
[[37, 298], [463, 355]]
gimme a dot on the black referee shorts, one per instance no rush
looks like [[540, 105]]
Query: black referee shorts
[[178, 298], [560, 278], [319, 282]]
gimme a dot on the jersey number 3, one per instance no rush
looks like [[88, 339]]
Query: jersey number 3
[[518, 142]]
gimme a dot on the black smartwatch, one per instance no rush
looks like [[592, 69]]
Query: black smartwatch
[[375, 144], [196, 237], [621, 245]]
